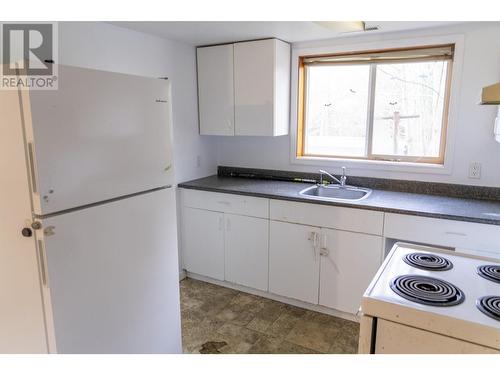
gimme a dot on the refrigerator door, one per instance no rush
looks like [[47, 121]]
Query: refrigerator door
[[113, 276], [100, 135]]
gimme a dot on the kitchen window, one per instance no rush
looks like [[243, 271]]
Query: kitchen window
[[389, 105]]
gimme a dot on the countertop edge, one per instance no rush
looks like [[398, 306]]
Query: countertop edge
[[342, 204]]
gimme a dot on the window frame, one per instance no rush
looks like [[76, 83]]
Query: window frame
[[394, 164], [372, 66]]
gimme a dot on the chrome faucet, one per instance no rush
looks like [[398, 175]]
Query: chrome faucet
[[341, 182]]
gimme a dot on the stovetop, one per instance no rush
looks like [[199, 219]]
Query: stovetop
[[449, 285]]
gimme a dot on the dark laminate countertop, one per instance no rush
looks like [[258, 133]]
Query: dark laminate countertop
[[479, 211]]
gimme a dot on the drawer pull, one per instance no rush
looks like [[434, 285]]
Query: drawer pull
[[456, 234], [224, 202]]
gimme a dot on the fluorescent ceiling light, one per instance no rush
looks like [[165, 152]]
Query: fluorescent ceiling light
[[342, 26]]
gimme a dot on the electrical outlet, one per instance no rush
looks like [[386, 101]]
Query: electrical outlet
[[475, 170], [198, 161]]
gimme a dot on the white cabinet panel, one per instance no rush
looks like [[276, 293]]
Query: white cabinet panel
[[442, 232], [351, 219], [261, 87], [394, 338], [348, 264], [203, 242], [246, 244], [113, 276], [294, 261], [244, 88], [230, 203], [215, 90], [22, 328], [100, 135]]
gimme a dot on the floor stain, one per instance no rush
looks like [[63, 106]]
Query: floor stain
[[212, 347]]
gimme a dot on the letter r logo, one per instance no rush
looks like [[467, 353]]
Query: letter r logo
[[30, 46]]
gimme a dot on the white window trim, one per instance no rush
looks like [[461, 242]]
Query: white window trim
[[453, 109]]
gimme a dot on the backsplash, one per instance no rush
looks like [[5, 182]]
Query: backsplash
[[418, 187]]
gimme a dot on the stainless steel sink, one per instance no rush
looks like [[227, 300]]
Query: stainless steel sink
[[336, 193]]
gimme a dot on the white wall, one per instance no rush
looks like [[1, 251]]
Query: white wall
[[473, 126], [108, 47]]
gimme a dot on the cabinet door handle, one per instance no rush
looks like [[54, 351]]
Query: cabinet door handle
[[228, 225], [221, 223], [224, 202], [316, 245], [456, 233]]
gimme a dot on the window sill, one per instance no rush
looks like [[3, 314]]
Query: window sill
[[378, 165]]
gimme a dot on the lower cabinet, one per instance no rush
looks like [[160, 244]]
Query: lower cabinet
[[322, 266], [237, 239], [246, 245], [203, 242], [348, 263], [226, 246], [294, 261]]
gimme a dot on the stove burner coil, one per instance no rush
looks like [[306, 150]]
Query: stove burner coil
[[489, 305], [427, 290], [430, 262], [490, 272]]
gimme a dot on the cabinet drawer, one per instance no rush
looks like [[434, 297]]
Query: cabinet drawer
[[229, 203], [442, 232], [394, 338], [342, 218]]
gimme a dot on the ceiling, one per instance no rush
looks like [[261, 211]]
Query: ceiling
[[201, 33]]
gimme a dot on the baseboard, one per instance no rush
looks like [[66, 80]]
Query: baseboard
[[261, 293], [182, 275]]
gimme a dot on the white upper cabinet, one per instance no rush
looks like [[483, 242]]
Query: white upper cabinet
[[216, 90], [244, 88], [262, 87]]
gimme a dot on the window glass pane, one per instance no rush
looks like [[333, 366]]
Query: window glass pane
[[336, 110], [408, 112]]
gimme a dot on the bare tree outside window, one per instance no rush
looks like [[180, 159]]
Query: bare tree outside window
[[388, 105]]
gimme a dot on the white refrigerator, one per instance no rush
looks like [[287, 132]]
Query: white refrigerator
[[99, 162]]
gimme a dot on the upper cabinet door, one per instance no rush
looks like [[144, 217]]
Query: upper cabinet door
[[262, 87], [99, 136], [216, 90]]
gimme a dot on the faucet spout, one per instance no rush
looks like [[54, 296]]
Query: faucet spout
[[341, 182], [322, 172]]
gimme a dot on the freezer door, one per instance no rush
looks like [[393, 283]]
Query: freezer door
[[114, 277], [100, 135]]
